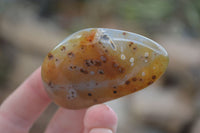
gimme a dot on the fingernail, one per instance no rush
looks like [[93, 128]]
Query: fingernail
[[101, 130]]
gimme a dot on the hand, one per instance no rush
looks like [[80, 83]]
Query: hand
[[22, 108]]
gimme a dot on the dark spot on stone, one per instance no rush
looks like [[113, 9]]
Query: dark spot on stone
[[115, 87], [90, 40], [101, 72], [63, 48], [134, 79], [115, 65], [96, 83], [83, 71], [50, 56], [121, 70], [154, 77], [82, 47], [127, 82], [87, 62], [134, 48], [91, 61], [124, 33], [89, 94], [103, 58], [97, 63], [105, 37], [114, 92], [106, 51], [71, 67], [56, 59], [130, 44], [140, 79], [50, 84], [118, 68], [71, 54]]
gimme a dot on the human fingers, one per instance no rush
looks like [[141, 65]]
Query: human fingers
[[100, 119], [66, 121], [24, 105]]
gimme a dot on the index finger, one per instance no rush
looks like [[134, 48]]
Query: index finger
[[24, 105]]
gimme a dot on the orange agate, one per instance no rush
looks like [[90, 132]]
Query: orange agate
[[97, 65]]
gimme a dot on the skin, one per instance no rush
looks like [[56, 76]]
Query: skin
[[23, 107]]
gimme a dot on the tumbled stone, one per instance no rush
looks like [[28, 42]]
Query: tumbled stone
[[96, 65]]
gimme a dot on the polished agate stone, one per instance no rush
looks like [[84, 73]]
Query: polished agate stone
[[96, 65]]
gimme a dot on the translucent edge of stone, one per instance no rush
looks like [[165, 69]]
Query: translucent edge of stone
[[118, 35], [71, 36], [142, 40]]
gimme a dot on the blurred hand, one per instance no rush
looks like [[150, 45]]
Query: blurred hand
[[22, 108]]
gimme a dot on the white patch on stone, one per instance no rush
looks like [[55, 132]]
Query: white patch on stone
[[92, 72], [131, 59], [103, 58], [123, 57], [71, 94], [122, 50], [146, 54], [143, 73]]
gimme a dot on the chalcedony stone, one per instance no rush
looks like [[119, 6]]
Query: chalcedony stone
[[96, 65]]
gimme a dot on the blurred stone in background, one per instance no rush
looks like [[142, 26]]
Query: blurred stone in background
[[29, 29]]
